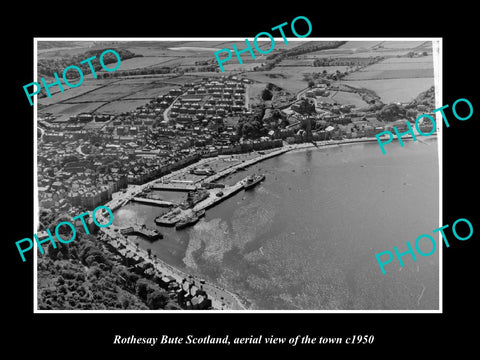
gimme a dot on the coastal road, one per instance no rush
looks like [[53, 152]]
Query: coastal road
[[221, 299]]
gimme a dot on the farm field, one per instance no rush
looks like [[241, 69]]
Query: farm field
[[64, 111], [395, 79], [130, 93], [390, 74], [374, 48], [406, 60], [402, 44], [401, 65], [365, 44], [145, 62], [150, 93], [394, 90], [329, 69], [120, 106], [67, 94], [75, 48], [181, 80], [285, 78], [297, 62], [111, 92], [400, 68]]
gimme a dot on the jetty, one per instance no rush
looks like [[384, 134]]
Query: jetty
[[214, 197], [218, 195], [161, 203], [143, 231]]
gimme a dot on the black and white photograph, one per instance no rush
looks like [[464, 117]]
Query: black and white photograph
[[265, 184]]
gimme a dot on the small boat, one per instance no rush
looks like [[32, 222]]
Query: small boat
[[168, 219], [253, 180]]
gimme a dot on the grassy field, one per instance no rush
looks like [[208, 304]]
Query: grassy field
[[286, 79], [347, 98], [117, 107], [150, 93], [394, 90], [362, 44], [111, 92], [67, 94], [373, 48], [401, 44], [390, 74], [329, 69], [92, 95], [405, 61], [396, 68], [396, 79]]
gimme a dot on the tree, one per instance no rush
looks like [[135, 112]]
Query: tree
[[142, 288], [411, 113], [157, 299], [267, 95], [311, 83]]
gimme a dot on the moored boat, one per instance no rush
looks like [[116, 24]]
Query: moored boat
[[253, 180], [191, 220], [168, 219]]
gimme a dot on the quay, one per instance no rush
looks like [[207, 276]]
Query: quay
[[161, 203], [213, 199], [245, 164], [143, 231], [173, 187]]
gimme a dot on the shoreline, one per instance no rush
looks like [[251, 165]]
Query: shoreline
[[242, 302]]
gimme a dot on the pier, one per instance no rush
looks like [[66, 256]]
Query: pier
[[161, 203], [149, 234], [213, 199]]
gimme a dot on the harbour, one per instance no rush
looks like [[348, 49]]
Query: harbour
[[249, 245]]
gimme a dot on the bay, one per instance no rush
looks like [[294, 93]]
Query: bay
[[307, 236]]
